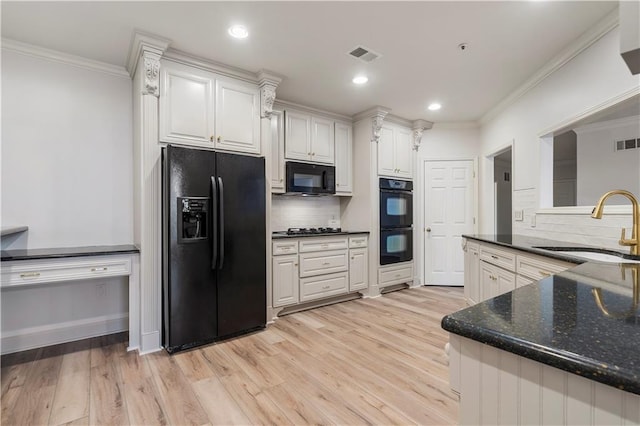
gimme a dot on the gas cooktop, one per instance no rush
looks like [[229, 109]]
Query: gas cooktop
[[312, 231]]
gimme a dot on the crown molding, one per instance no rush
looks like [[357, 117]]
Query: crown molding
[[140, 42], [372, 112], [608, 125], [607, 24], [63, 58], [211, 66], [283, 104], [569, 123]]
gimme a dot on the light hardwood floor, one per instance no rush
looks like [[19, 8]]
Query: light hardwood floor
[[369, 361]]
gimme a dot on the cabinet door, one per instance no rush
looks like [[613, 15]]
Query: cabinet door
[[386, 161], [285, 280], [506, 281], [186, 106], [472, 273], [277, 152], [344, 158], [297, 136], [358, 269], [237, 117], [322, 140], [403, 153], [488, 281]]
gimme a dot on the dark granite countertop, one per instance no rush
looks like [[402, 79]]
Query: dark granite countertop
[[533, 244], [283, 234], [50, 253], [584, 320]]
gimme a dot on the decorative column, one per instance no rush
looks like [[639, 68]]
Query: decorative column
[[377, 120], [144, 67], [268, 83], [418, 128]]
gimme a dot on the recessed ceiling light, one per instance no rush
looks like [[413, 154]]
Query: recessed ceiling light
[[238, 31], [360, 79], [434, 106]]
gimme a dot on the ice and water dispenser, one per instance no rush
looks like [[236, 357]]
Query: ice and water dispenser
[[193, 218]]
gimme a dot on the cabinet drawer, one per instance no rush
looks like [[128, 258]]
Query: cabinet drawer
[[502, 258], [538, 267], [39, 272], [395, 275], [326, 243], [324, 262], [358, 241], [323, 286], [285, 247]]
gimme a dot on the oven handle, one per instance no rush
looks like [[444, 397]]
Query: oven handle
[[395, 191]]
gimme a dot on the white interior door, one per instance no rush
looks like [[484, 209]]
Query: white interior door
[[449, 194]]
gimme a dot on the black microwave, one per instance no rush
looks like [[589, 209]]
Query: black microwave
[[310, 179]]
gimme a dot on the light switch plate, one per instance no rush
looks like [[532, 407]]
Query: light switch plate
[[519, 215]]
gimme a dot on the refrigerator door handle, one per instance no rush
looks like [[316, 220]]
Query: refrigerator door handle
[[221, 219], [214, 223]]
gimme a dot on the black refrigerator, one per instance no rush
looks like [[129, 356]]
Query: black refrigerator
[[214, 246]]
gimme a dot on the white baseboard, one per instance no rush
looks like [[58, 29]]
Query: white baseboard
[[52, 334]]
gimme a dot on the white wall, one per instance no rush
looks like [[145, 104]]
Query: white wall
[[593, 77], [445, 141], [66, 154], [595, 154]]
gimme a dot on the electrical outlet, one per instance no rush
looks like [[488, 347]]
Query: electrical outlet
[[334, 223], [519, 215]]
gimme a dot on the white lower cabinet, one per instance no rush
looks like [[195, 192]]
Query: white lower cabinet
[[285, 280], [313, 268], [358, 269], [395, 274], [322, 286], [491, 270]]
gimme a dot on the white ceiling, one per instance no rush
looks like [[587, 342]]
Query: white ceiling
[[307, 43]]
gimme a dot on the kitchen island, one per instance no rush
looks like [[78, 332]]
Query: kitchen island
[[562, 350]]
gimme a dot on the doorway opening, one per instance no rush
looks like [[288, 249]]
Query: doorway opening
[[502, 184]]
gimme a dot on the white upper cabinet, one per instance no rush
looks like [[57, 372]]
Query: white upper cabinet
[[395, 153], [344, 158], [308, 138], [322, 140], [186, 106], [297, 136], [237, 116], [201, 108]]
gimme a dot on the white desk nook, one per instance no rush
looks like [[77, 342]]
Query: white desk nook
[[30, 270]]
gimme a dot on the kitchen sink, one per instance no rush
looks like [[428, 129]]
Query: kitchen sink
[[595, 254]]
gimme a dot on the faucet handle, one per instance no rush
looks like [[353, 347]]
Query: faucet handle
[[623, 240]]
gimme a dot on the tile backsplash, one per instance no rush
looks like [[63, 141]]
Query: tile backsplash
[[303, 212], [576, 228]]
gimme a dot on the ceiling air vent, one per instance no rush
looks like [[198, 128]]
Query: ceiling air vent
[[364, 54]]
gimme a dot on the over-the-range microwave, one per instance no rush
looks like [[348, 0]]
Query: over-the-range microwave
[[310, 179]]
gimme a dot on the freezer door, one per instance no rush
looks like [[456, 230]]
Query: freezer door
[[242, 276], [189, 283]]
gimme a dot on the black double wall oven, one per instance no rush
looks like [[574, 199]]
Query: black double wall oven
[[396, 221]]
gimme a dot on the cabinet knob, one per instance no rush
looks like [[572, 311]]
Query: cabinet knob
[[295, 264], [308, 153], [428, 229], [219, 138], [211, 138], [313, 153], [280, 180]]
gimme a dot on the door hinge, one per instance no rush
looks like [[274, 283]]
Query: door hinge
[[474, 173], [474, 220]]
